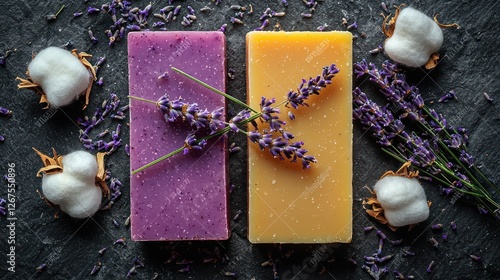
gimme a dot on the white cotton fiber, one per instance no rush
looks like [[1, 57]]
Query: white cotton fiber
[[416, 36], [403, 200], [74, 190], [85, 204], [80, 164], [60, 74]]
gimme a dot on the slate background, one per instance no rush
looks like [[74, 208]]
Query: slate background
[[70, 247]]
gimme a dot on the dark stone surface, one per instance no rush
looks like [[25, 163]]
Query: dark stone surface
[[70, 247]]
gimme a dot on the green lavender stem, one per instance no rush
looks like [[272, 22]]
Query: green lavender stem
[[235, 100]]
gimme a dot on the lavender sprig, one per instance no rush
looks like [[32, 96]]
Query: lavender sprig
[[280, 147], [408, 130]]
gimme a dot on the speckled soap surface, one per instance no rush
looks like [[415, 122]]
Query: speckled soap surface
[[288, 204], [185, 196]]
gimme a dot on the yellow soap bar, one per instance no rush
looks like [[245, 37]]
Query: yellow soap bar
[[288, 204]]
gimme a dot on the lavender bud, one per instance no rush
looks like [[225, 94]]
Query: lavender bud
[[445, 237], [41, 267], [476, 258], [367, 229], [236, 20], [354, 25], [430, 266], [127, 149], [77, 14], [223, 28], [177, 10], [436, 226], [434, 242], [92, 10], [138, 262], [408, 253], [453, 225], [102, 251], [306, 15], [100, 82], [487, 97], [384, 7], [120, 241], [95, 269], [5, 111], [131, 272], [381, 234]]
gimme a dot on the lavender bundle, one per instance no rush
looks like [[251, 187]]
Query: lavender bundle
[[206, 124], [408, 130]]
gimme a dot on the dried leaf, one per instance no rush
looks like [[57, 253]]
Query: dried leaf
[[100, 178], [442, 25], [389, 24], [82, 56], [432, 62], [403, 171]]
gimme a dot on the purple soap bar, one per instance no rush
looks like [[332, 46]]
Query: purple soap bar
[[184, 197]]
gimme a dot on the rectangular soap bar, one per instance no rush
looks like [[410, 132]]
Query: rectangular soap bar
[[286, 203], [184, 197]]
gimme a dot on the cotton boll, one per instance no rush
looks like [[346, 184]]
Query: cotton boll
[[60, 74], [416, 36], [74, 190], [403, 200], [80, 164]]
